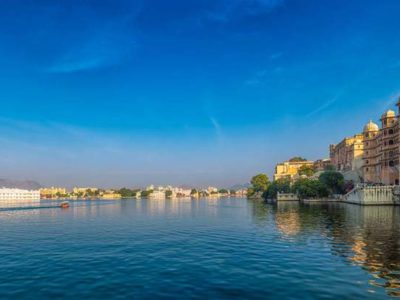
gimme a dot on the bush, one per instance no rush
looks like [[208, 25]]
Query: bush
[[260, 183], [310, 188], [334, 181], [280, 185]]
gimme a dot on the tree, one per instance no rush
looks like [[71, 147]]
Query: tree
[[309, 188], [297, 159], [223, 191], [334, 181], [145, 194], [260, 183], [278, 186], [330, 168], [126, 193], [250, 192], [193, 192], [306, 170], [168, 194]]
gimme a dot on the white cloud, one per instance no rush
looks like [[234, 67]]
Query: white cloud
[[105, 47]]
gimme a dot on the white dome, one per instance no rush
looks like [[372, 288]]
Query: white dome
[[389, 114], [371, 127]]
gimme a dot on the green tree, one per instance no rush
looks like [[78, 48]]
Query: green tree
[[330, 168], [223, 191], [250, 192], [193, 192], [145, 194], [309, 188], [306, 171], [260, 183], [126, 193], [334, 181], [297, 159], [281, 185], [168, 194]]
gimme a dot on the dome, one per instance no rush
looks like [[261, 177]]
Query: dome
[[371, 127], [389, 114]]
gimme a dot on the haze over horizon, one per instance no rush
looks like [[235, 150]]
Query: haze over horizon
[[129, 93]]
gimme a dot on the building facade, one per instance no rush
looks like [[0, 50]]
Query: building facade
[[381, 157], [79, 190], [348, 154], [7, 194], [52, 192], [321, 164], [290, 169]]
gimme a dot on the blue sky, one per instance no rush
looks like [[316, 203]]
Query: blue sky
[[125, 93]]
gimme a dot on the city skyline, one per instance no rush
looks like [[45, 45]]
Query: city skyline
[[123, 93]]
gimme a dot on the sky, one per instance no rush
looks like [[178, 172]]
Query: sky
[[116, 93]]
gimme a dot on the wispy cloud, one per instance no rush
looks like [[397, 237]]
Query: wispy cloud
[[262, 76], [326, 104], [108, 46], [218, 130], [231, 8]]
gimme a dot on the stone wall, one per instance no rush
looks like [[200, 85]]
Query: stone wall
[[372, 195], [287, 197]]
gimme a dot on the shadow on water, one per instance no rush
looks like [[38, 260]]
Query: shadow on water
[[368, 237]]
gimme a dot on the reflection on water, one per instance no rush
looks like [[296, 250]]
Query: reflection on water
[[368, 237], [204, 249]]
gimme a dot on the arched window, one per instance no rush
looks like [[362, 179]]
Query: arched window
[[391, 131], [391, 142], [391, 163]]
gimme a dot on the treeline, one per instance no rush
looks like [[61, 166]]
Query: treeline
[[328, 183]]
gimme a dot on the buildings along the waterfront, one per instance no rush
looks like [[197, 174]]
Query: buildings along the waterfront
[[373, 155], [10, 194], [290, 169]]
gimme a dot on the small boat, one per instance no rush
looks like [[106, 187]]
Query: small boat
[[64, 204]]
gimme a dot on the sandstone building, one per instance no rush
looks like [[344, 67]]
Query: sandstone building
[[381, 156], [347, 157], [373, 156], [290, 169]]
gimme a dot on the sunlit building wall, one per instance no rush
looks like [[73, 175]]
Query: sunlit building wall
[[18, 194]]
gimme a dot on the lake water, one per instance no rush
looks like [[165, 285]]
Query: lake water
[[202, 249]]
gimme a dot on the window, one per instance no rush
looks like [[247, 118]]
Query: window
[[391, 131], [391, 163], [391, 142]]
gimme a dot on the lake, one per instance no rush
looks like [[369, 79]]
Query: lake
[[200, 249]]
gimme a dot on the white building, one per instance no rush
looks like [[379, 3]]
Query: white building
[[7, 194], [159, 195], [180, 192], [150, 188]]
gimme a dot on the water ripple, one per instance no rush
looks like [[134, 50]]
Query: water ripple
[[229, 248]]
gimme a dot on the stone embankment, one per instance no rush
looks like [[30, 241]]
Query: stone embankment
[[373, 195]]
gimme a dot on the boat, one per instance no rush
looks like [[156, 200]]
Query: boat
[[64, 204]]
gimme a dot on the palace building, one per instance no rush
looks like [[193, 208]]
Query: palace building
[[373, 156], [347, 156], [52, 192], [381, 150], [290, 169]]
